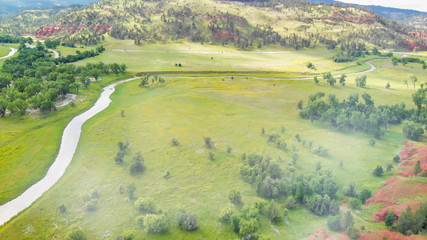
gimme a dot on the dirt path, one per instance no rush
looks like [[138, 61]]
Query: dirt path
[[11, 53]]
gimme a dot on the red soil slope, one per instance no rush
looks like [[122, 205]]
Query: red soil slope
[[322, 234], [380, 234], [400, 188]]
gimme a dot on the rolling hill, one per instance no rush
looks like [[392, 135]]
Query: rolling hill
[[290, 23], [412, 18]]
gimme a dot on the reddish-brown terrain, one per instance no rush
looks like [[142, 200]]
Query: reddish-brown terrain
[[410, 45], [50, 30], [322, 234], [380, 234], [348, 17], [401, 187]]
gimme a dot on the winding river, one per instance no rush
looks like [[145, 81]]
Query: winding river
[[11, 53], [69, 142], [70, 139]]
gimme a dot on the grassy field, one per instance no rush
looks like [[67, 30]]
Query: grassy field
[[29, 146], [197, 57], [4, 50], [231, 112]]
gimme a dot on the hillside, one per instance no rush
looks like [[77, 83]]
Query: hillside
[[411, 18], [290, 23]]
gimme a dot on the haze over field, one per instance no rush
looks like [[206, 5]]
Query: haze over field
[[209, 119]]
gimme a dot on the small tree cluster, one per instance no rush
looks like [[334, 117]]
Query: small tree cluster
[[137, 165], [235, 197], [361, 81], [123, 146], [187, 220], [344, 222]]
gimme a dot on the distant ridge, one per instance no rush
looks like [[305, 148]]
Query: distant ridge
[[410, 17]]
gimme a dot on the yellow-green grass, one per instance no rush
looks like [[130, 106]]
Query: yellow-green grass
[[232, 113], [28, 147], [197, 57], [65, 51], [5, 49]]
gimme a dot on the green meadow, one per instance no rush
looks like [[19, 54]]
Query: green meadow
[[28, 147], [231, 111], [205, 57]]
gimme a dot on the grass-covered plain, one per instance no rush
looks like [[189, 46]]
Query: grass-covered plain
[[198, 57], [29, 146], [4, 50], [231, 112]]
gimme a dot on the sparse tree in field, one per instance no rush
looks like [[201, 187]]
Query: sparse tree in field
[[248, 226], [235, 197], [123, 146], [137, 165], [396, 158], [342, 80], [417, 168], [355, 203], [412, 131], [175, 142], [290, 202], [62, 208], [130, 190], [187, 220], [226, 213], [229, 149], [350, 190], [300, 105], [334, 223], [378, 172], [316, 81], [146, 205], [274, 213], [211, 156], [405, 82], [361, 81], [389, 167], [153, 223], [311, 66], [348, 220], [119, 157], [318, 166], [295, 158], [91, 205], [394, 61], [365, 195], [77, 235], [413, 79], [208, 142]]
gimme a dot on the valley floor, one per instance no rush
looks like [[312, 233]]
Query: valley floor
[[230, 110]]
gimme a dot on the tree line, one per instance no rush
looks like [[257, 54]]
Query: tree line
[[35, 80], [351, 114]]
